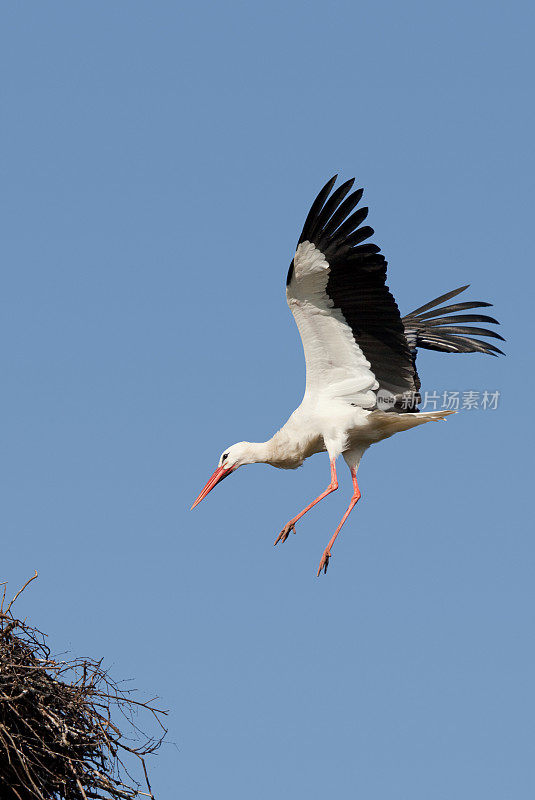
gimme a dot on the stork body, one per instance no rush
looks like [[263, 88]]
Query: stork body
[[361, 380]]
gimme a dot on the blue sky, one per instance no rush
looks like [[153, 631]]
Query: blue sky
[[158, 162]]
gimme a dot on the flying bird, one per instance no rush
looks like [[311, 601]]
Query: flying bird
[[361, 380]]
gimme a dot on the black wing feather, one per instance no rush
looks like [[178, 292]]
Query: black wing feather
[[316, 207], [356, 285], [330, 206], [438, 300], [339, 216], [452, 309], [433, 330]]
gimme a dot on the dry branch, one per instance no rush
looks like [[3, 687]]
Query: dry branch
[[67, 729]]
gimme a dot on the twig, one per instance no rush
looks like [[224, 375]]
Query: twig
[[20, 591], [58, 731]]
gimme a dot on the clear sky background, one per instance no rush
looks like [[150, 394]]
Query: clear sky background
[[158, 160]]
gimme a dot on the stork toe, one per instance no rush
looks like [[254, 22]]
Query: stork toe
[[324, 563], [283, 535]]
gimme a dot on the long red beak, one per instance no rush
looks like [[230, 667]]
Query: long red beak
[[217, 477]]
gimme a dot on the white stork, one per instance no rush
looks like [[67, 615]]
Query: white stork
[[361, 380]]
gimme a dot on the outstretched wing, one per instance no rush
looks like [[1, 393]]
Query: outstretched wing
[[439, 328], [353, 338]]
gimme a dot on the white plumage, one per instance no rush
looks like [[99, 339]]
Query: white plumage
[[335, 365], [361, 380]]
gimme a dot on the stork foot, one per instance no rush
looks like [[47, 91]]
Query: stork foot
[[283, 535], [324, 563]]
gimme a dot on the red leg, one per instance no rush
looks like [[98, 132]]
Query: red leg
[[290, 526], [324, 563]]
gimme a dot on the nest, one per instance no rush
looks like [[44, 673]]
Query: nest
[[59, 729]]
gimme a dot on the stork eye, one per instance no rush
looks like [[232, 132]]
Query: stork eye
[[224, 456]]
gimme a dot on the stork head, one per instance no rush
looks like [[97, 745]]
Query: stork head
[[231, 458]]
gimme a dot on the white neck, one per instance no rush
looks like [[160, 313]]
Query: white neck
[[258, 452], [282, 450]]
